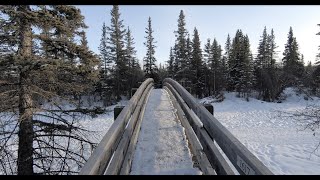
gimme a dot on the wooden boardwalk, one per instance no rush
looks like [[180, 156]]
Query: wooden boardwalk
[[162, 147]]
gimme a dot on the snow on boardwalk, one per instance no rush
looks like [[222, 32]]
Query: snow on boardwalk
[[162, 146]]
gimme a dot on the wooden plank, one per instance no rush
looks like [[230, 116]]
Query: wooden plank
[[100, 157], [196, 148], [126, 166], [231, 146], [121, 150], [214, 156]]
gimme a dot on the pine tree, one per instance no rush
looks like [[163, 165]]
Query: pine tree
[[207, 54], [134, 70], [226, 58], [181, 48], [170, 64], [105, 84], [44, 69], [105, 62], [216, 67], [150, 60], [292, 65], [188, 59], [247, 80], [316, 73], [234, 60], [240, 65], [262, 65], [197, 65], [272, 50], [116, 47], [228, 47]]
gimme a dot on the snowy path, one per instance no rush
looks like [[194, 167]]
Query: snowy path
[[162, 146]]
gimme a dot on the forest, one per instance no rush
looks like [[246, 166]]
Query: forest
[[49, 78]]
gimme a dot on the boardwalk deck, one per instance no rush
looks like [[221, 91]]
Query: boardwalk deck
[[162, 147]]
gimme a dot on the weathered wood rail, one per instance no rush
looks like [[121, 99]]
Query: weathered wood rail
[[210, 130], [114, 153], [207, 137]]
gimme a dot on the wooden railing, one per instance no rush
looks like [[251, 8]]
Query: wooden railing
[[114, 153], [209, 132], [216, 150]]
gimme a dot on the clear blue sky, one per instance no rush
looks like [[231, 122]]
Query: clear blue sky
[[212, 22]]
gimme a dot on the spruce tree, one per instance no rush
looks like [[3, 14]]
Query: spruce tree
[[261, 64], [207, 54], [216, 67], [197, 66], [292, 65], [316, 73], [105, 84], [105, 62], [117, 52], [45, 70], [181, 48], [150, 60], [189, 50], [170, 64], [240, 65], [134, 70], [226, 58]]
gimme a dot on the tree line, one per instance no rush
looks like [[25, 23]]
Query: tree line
[[211, 70], [216, 68]]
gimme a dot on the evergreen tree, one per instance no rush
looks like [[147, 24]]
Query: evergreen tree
[[105, 62], [197, 66], [207, 54], [134, 72], [226, 58], [170, 64], [227, 47], [216, 67], [150, 67], [188, 73], [240, 65], [307, 77], [246, 69], [292, 65], [105, 84], [117, 52], [44, 69], [316, 73], [272, 50], [181, 48], [264, 66]]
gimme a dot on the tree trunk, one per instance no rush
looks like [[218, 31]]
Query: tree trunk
[[25, 150], [25, 134]]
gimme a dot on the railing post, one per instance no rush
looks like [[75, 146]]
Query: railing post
[[209, 107], [117, 110], [133, 90]]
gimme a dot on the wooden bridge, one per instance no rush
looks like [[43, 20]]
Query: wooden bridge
[[215, 150]]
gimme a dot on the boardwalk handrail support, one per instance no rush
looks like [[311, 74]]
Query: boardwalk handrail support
[[241, 158]]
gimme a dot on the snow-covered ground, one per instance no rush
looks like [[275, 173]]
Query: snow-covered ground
[[97, 127], [100, 124], [277, 141], [162, 147]]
